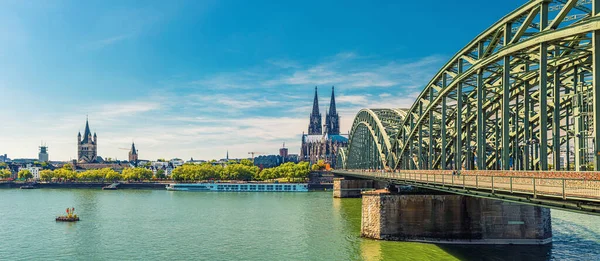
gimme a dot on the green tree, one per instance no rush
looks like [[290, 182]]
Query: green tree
[[68, 167], [137, 174], [230, 162], [301, 171], [130, 174], [5, 173], [65, 174], [71, 175], [291, 171], [25, 174], [84, 175], [246, 162], [111, 175], [320, 165], [46, 175], [177, 174], [144, 174], [266, 174], [160, 174]]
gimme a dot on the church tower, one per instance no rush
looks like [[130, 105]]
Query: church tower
[[133, 154], [87, 146], [314, 127], [332, 119]]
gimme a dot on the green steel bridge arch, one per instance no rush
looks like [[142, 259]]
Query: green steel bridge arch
[[372, 139], [522, 95]]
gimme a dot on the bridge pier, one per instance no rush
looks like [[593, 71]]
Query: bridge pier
[[453, 219], [351, 188]]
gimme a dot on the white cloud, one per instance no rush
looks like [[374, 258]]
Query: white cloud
[[246, 103], [345, 55], [351, 71], [284, 63], [128, 108], [255, 109], [353, 99], [99, 44]]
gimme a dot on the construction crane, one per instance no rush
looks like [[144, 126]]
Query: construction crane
[[254, 152]]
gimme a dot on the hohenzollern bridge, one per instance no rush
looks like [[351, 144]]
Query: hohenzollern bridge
[[514, 115]]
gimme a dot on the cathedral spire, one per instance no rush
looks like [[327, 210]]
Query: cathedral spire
[[315, 109], [332, 109], [133, 150], [314, 127], [332, 119]]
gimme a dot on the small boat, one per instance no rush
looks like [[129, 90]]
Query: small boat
[[67, 219], [27, 187], [70, 217], [111, 186]]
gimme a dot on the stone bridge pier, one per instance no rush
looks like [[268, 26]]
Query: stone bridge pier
[[451, 219], [353, 188]]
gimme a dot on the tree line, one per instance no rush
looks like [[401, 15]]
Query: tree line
[[243, 171]]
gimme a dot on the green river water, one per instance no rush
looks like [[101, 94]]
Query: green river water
[[166, 225]]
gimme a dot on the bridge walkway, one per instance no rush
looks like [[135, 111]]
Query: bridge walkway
[[572, 194]]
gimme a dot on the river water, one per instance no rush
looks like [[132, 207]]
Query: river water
[[166, 225]]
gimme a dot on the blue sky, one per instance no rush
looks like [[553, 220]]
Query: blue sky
[[196, 78]]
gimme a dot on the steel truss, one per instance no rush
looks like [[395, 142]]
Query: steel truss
[[524, 91]]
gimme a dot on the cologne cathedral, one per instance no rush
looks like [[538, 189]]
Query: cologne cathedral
[[323, 145]]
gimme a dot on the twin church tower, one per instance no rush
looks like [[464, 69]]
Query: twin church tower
[[332, 119], [323, 145]]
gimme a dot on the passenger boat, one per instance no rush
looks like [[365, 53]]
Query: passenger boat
[[241, 187]]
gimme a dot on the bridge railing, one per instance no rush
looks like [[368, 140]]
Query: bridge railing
[[565, 188]]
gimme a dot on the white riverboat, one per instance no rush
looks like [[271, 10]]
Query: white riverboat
[[239, 187]]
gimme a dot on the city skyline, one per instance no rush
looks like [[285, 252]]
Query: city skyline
[[186, 80]]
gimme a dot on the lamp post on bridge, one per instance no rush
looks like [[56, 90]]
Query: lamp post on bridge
[[534, 142], [469, 150], [521, 160]]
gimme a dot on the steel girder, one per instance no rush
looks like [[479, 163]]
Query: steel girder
[[524, 91], [371, 139], [341, 158]]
